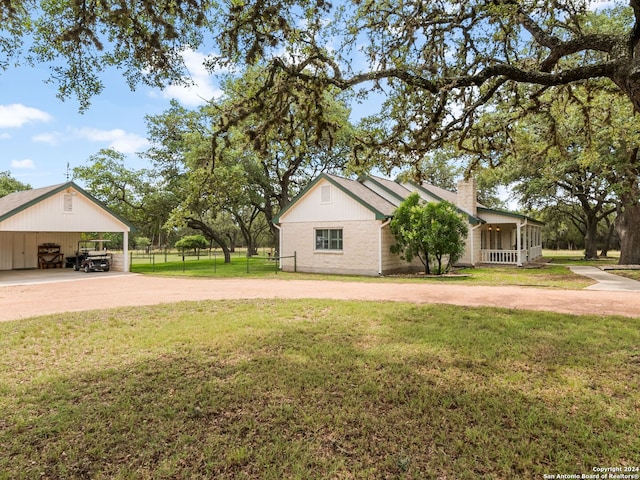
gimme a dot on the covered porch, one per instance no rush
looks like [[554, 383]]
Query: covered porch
[[510, 243]]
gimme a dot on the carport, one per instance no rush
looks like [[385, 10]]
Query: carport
[[41, 227]]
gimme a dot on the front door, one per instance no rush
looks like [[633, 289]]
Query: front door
[[25, 251]]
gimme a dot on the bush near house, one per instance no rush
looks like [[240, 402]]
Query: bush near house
[[430, 231]]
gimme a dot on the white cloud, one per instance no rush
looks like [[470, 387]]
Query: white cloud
[[16, 115], [201, 88], [117, 139], [23, 164], [52, 138], [4, 136]]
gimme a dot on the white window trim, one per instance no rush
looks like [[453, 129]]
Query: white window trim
[[327, 250]]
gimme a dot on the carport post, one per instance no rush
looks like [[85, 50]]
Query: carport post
[[125, 252]]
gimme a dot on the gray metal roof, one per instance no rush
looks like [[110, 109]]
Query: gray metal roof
[[365, 194]]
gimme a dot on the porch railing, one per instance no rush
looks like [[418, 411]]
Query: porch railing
[[535, 252], [501, 256], [510, 256]]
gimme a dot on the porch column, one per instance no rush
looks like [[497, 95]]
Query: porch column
[[519, 243]]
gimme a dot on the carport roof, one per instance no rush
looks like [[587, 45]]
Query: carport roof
[[16, 202]]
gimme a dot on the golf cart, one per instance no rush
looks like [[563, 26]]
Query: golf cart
[[90, 259]]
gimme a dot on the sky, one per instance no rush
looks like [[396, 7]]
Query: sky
[[40, 134]]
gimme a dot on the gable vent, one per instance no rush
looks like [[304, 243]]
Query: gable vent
[[325, 194], [68, 203]]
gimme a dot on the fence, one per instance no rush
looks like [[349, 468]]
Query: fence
[[206, 263]]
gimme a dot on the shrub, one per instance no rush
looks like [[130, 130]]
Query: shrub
[[430, 231]]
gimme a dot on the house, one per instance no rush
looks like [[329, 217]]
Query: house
[[42, 227], [338, 225]]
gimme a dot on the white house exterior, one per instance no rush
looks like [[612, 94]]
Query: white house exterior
[[55, 215], [337, 225]]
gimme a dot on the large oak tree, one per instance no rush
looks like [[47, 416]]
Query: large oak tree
[[440, 62]]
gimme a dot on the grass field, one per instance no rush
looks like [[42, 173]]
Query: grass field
[[317, 389], [633, 274], [553, 275]]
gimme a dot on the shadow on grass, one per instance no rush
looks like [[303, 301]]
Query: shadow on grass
[[416, 397]]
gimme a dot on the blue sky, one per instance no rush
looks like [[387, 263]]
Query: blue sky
[[40, 134]]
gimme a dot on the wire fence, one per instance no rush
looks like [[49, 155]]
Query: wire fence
[[206, 263]]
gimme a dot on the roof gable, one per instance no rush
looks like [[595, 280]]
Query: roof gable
[[381, 208], [17, 202]]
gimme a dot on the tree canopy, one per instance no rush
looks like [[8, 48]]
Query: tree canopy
[[8, 184], [434, 54]]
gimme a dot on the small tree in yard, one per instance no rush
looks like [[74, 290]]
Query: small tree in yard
[[430, 231], [142, 243], [192, 242]]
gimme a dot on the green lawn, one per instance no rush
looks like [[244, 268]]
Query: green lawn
[[317, 389], [552, 275], [205, 266], [633, 274]]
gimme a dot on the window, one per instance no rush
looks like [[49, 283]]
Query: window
[[329, 239]]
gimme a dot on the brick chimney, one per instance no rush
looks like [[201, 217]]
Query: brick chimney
[[468, 195]]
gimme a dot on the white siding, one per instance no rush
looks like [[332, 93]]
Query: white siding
[[68, 241], [6, 251], [49, 215], [25, 253], [472, 243], [491, 217], [341, 207]]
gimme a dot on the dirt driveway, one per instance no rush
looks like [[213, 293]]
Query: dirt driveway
[[99, 292]]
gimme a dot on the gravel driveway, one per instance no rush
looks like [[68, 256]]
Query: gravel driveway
[[99, 292]]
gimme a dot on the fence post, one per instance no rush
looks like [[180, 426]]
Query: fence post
[[295, 262], [247, 262], [130, 260], [182, 261], [153, 267]]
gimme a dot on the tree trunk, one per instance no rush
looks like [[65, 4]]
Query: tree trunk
[[212, 234], [628, 228], [607, 239], [590, 238]]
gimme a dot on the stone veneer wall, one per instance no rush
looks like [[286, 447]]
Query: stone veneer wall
[[359, 255], [468, 196], [117, 262]]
